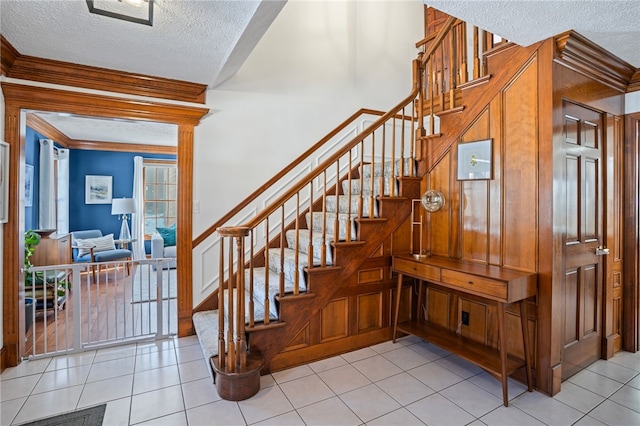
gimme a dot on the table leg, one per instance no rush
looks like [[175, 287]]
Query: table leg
[[503, 354], [397, 308], [526, 342]]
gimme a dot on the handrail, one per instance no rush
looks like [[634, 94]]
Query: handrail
[[268, 210], [449, 23], [210, 230]]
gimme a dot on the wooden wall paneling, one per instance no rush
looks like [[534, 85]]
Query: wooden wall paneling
[[477, 328], [438, 307], [185, 229], [474, 202], [439, 224], [496, 189], [520, 173], [369, 311], [631, 239], [300, 340], [614, 218], [407, 304], [334, 320]]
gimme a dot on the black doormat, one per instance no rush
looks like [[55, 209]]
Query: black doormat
[[88, 417]]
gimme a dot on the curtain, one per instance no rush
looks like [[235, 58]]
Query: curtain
[[137, 218], [47, 191], [63, 191]]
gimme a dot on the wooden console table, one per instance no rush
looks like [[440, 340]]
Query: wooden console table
[[493, 284]]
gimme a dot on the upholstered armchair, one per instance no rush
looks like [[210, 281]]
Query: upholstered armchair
[[92, 246], [163, 245]]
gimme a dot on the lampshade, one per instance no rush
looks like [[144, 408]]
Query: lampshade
[[123, 206]]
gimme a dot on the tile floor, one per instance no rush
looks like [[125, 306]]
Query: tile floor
[[407, 383]]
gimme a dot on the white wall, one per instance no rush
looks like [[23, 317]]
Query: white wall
[[632, 102], [318, 63]]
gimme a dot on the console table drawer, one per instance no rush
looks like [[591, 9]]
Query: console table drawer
[[475, 284], [425, 272]]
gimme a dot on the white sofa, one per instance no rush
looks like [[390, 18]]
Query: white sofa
[[158, 250]]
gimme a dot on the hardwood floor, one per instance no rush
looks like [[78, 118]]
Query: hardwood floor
[[114, 308]]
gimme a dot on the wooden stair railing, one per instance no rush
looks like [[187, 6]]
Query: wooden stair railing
[[353, 179]]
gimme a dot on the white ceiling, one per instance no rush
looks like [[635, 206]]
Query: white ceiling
[[207, 41]]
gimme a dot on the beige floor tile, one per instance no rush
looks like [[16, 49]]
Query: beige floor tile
[[267, 403], [49, 404], [155, 404], [331, 411], [220, 413], [369, 402], [199, 392]]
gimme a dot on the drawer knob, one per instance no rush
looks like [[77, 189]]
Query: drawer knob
[[470, 282]]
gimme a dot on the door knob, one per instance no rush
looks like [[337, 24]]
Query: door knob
[[602, 251]]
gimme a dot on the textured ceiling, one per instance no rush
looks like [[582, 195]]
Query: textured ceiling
[[612, 24], [207, 41], [192, 40]]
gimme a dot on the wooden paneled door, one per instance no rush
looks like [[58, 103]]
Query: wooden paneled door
[[582, 323]]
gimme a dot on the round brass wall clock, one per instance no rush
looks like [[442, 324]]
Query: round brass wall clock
[[432, 200]]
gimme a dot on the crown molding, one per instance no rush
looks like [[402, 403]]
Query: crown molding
[[584, 56], [8, 55], [88, 77], [122, 147], [634, 86], [46, 129]]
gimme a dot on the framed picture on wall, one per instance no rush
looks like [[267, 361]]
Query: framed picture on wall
[[28, 185], [475, 160], [98, 189], [4, 182]]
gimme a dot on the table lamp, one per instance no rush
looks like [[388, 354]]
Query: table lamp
[[123, 207]]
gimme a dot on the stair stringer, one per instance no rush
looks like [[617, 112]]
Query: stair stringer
[[503, 65], [325, 283]]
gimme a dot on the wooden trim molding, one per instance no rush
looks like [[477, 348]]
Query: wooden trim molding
[[19, 98], [56, 100], [8, 55], [584, 56], [45, 128], [631, 269], [57, 72], [635, 82]]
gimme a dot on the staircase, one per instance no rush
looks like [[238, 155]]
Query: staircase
[[279, 269]]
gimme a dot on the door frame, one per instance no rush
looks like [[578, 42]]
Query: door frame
[[19, 98]]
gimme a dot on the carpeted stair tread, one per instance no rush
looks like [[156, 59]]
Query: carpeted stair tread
[[341, 203], [259, 278], [368, 188], [288, 266], [303, 244], [319, 224], [384, 169]]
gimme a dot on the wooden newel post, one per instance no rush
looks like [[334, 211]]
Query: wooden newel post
[[236, 372]]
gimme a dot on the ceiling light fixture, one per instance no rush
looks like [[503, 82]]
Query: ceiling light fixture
[[136, 11]]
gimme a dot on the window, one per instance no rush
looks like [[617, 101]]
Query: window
[[160, 195]]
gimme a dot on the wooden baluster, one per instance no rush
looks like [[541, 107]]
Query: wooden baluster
[[348, 231], [336, 221], [241, 348], [452, 71], [383, 151], [432, 128], [442, 77], [231, 353], [393, 157], [324, 218], [282, 244], [221, 345], [476, 54], [402, 171], [296, 255], [462, 48], [373, 172], [267, 300], [251, 303], [361, 180], [412, 138], [310, 246]]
